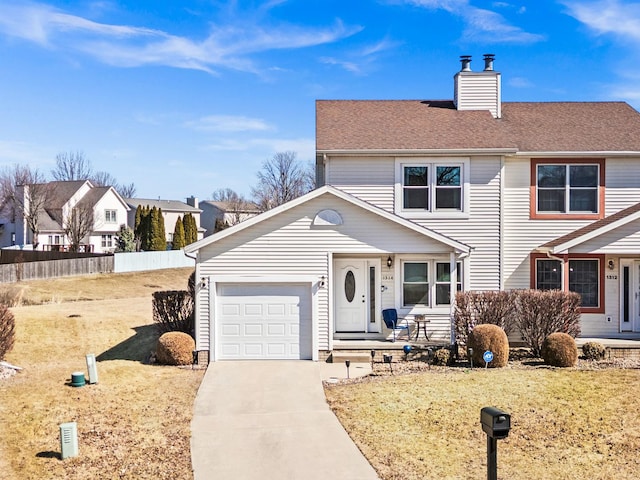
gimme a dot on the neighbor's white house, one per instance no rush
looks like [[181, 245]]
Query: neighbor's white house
[[109, 214], [419, 198]]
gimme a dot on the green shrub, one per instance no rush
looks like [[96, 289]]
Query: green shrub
[[593, 351], [442, 356], [173, 311], [487, 337], [7, 330], [559, 350], [175, 348]]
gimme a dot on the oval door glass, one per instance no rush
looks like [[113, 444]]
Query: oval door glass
[[350, 286]]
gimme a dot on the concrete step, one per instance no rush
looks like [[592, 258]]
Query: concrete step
[[355, 357]]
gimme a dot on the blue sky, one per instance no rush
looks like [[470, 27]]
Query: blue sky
[[186, 97]]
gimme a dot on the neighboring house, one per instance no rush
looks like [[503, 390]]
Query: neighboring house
[[171, 210], [106, 208], [226, 213], [419, 199]]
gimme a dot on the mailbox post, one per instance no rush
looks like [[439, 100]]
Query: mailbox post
[[496, 424]]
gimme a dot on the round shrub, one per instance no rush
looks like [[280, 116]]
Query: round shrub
[[593, 351], [442, 356], [559, 350], [489, 337], [175, 348]]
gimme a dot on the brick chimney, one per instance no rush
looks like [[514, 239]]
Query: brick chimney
[[478, 90]]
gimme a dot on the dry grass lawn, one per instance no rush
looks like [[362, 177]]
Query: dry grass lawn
[[134, 423], [566, 423]]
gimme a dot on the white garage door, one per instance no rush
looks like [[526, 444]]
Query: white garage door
[[263, 321]]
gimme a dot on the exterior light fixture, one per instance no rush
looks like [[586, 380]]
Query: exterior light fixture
[[203, 282], [611, 265], [389, 261], [322, 279]]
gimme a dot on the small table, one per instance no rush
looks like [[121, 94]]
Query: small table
[[421, 322]]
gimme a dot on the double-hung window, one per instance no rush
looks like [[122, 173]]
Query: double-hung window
[[570, 188], [111, 216], [576, 274], [428, 283], [430, 187]]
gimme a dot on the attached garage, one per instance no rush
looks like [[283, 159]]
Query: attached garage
[[263, 321]]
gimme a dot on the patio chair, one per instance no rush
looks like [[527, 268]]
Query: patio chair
[[390, 317]]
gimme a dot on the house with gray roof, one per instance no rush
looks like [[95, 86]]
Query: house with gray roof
[[171, 211], [101, 209], [418, 199]]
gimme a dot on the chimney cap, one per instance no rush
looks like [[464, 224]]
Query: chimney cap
[[466, 63], [488, 61]]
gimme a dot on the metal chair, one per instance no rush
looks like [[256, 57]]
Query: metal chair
[[390, 317]]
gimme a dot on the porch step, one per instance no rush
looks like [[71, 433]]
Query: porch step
[[355, 357]]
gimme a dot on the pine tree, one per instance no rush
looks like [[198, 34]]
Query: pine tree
[[190, 228], [126, 241], [161, 232], [178, 235], [157, 240], [145, 228]]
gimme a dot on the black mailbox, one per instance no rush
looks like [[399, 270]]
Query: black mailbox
[[495, 422]]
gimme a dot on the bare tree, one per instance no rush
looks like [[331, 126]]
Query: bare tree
[[77, 224], [24, 192], [103, 179], [235, 204], [282, 179], [126, 191], [72, 166]]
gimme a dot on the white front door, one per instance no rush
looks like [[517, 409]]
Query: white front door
[[350, 293], [630, 296]]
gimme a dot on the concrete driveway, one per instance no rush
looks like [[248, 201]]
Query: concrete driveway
[[269, 419]]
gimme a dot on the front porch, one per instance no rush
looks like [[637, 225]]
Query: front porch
[[359, 351]]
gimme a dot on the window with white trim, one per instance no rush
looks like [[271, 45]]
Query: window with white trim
[[431, 187], [111, 216], [107, 241], [428, 283]]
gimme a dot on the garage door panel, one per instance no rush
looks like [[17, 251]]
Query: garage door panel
[[253, 330], [263, 321]]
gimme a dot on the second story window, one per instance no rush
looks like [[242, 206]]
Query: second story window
[[434, 187], [567, 188], [111, 216]]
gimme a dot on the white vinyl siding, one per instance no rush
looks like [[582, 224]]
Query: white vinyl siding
[[478, 91], [289, 245]]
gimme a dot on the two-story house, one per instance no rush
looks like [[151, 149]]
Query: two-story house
[[421, 198], [171, 211], [102, 210]]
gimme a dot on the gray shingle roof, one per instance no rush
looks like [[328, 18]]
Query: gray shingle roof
[[165, 205]]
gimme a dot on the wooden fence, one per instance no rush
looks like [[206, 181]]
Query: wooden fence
[[55, 268]]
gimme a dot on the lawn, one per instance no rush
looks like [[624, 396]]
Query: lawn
[[566, 423], [134, 423]]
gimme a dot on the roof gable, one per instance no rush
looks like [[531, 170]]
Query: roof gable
[[458, 246]]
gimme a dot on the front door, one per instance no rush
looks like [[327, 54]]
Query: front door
[[630, 296], [350, 293]]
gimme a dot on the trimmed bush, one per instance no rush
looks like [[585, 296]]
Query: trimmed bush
[[442, 356], [7, 330], [593, 351], [489, 337], [559, 350], [175, 348], [173, 311]]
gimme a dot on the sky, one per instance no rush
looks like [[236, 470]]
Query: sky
[[184, 98]]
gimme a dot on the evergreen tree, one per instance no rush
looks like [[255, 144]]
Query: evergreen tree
[[126, 241], [178, 235], [156, 242], [161, 232], [145, 229], [190, 228]]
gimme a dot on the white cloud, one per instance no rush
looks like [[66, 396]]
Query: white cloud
[[229, 123], [481, 25], [519, 82], [226, 46], [608, 16]]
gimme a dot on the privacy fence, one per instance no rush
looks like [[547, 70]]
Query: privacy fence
[[28, 265]]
